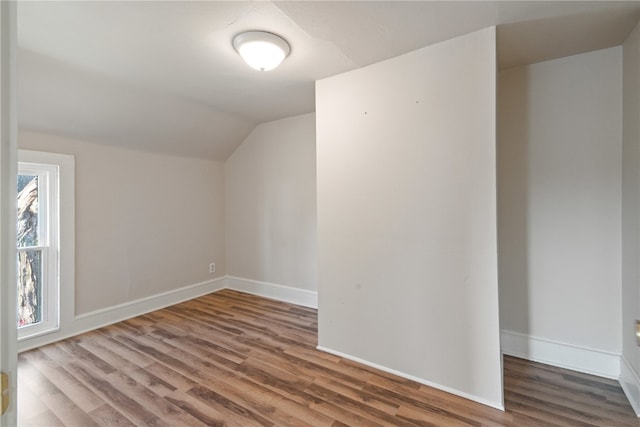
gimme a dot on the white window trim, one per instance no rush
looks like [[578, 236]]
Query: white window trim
[[64, 249], [48, 245]]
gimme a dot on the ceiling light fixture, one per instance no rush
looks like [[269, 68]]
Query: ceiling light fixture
[[261, 50]]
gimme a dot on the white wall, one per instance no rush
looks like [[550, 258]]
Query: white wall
[[630, 369], [559, 154], [271, 207], [147, 225], [407, 257]]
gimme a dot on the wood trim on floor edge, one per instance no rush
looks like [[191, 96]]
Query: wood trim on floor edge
[[107, 316], [450, 390]]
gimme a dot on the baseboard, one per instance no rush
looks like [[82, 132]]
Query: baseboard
[[271, 290], [563, 355], [468, 396], [97, 319], [630, 384]]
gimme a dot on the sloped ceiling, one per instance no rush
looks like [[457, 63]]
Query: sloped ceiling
[[163, 76]]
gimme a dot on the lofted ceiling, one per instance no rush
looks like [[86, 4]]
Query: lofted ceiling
[[163, 76]]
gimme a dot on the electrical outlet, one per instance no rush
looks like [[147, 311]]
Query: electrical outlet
[[212, 267]]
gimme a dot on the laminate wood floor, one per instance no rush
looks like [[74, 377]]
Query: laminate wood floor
[[232, 359]]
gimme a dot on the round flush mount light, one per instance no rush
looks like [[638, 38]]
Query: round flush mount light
[[261, 50]]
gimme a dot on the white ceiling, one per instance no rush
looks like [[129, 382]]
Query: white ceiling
[[163, 76]]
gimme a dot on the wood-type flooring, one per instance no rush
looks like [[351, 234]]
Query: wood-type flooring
[[232, 359]]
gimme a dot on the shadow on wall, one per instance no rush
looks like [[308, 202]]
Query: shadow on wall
[[513, 202]]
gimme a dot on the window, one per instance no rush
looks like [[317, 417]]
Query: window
[[45, 233], [37, 232]]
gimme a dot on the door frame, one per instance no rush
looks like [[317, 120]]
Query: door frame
[[8, 170]]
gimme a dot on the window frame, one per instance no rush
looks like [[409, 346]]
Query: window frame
[[63, 250], [48, 246]]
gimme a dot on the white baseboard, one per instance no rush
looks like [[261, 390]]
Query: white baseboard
[[497, 405], [107, 316], [563, 355], [271, 290], [96, 319], [630, 384]]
